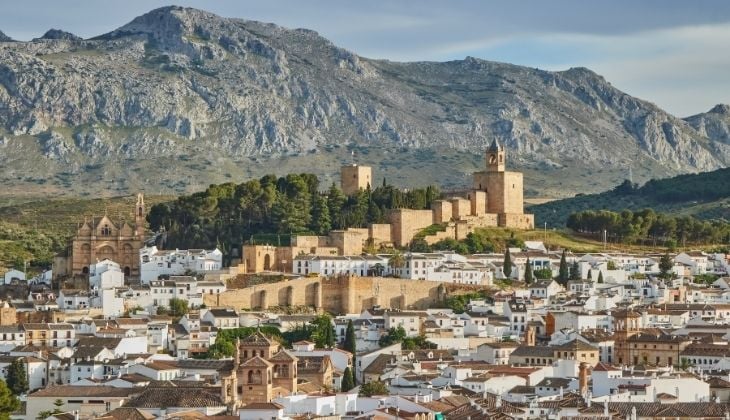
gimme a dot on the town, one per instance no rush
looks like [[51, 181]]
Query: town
[[323, 327]]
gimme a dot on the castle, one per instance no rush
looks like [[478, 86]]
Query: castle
[[99, 238], [495, 200]]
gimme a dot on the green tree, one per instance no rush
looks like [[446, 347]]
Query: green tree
[[374, 388], [178, 307], [323, 334], [507, 267], [321, 222], [600, 277], [544, 273], [665, 267], [350, 343], [563, 273], [348, 380], [394, 335], [575, 271], [335, 203], [528, 272], [9, 403], [17, 378], [396, 262], [590, 275], [162, 310]]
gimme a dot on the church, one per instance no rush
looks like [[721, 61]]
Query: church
[[99, 238]]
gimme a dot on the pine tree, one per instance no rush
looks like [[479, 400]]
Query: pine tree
[[321, 222], [600, 277], [563, 272], [348, 380], [507, 266], [528, 272], [8, 402], [335, 202]]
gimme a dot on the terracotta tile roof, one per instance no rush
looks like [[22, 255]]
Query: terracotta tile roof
[[163, 397], [101, 391]]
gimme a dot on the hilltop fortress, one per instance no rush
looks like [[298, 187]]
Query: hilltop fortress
[[495, 199]]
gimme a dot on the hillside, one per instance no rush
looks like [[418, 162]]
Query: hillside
[[704, 195], [35, 231], [180, 98]]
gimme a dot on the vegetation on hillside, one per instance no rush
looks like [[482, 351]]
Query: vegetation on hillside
[[705, 195], [649, 227], [227, 215]]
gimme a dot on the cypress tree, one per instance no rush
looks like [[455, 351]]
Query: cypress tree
[[575, 271], [348, 380], [590, 276], [17, 379], [600, 277], [507, 267], [528, 272], [563, 273], [349, 343]]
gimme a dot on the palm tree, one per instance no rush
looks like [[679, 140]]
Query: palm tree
[[396, 262]]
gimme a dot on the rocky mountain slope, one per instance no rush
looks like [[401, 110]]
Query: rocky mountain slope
[[180, 98]]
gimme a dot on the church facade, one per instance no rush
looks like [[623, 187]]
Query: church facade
[[100, 238]]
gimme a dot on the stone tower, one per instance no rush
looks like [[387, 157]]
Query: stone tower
[[504, 190], [354, 178], [495, 157]]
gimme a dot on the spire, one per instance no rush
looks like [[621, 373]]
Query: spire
[[495, 146]]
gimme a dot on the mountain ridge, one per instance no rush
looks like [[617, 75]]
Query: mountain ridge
[[216, 99]]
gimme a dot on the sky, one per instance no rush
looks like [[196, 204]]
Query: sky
[[673, 53]]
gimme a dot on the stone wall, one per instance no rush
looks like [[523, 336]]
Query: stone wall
[[380, 233], [441, 211], [460, 208], [406, 223], [517, 221], [345, 294]]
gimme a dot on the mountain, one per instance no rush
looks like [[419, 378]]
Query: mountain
[[59, 34], [705, 196], [714, 124], [5, 38], [180, 98]]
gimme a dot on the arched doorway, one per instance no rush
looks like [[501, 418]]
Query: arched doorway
[[85, 270], [267, 262], [127, 271]]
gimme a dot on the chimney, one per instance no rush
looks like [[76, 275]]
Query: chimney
[[583, 378]]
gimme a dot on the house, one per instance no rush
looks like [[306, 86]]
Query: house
[[73, 300], [49, 335], [89, 401], [11, 276], [222, 318], [409, 320], [496, 353], [105, 274], [543, 289]]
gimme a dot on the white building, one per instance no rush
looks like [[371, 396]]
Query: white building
[[155, 263], [105, 274], [16, 275], [332, 265]]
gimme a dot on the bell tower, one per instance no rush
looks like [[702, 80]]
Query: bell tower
[[495, 157], [139, 215]]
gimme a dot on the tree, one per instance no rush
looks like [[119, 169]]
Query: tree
[[348, 380], [17, 378], [665, 266], [374, 388], [178, 307], [507, 267], [9, 403], [394, 335], [350, 341], [590, 276], [396, 262], [321, 222], [324, 332], [528, 272], [563, 272], [600, 277], [575, 271]]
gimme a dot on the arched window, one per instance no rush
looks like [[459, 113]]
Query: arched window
[[106, 230], [127, 271], [267, 262]]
